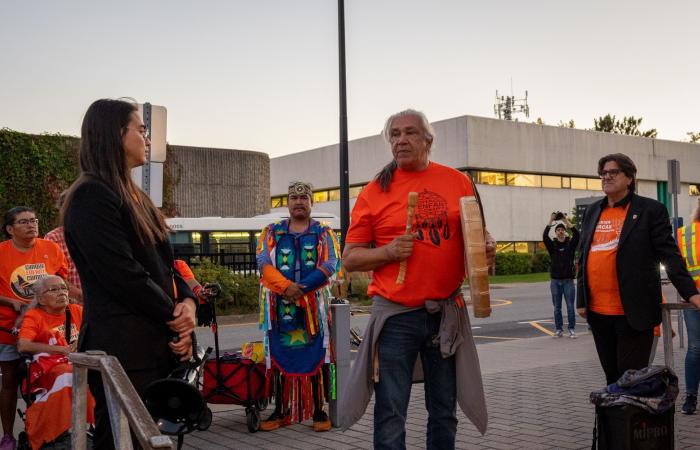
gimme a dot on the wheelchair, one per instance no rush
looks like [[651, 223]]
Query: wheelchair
[[62, 442]]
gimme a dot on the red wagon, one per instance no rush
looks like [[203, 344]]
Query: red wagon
[[231, 379]]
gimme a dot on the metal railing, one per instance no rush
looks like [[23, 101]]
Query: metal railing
[[127, 413], [666, 310], [241, 263]]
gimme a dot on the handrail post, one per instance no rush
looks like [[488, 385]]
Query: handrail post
[[667, 332], [126, 410], [668, 336], [340, 339], [117, 419], [78, 436]]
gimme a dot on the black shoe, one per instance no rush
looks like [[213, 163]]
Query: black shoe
[[690, 404]]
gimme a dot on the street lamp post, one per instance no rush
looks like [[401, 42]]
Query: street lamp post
[[343, 142]]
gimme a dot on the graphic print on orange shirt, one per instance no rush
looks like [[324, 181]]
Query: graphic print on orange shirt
[[24, 276], [607, 234], [430, 220], [601, 268]]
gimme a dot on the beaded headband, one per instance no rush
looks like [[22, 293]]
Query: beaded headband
[[300, 188]]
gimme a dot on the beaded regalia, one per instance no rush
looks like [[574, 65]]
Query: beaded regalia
[[297, 335]]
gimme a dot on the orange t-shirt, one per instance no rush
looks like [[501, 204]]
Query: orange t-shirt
[[436, 267], [40, 326], [601, 268], [18, 271]]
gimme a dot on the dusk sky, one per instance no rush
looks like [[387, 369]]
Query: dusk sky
[[263, 74]]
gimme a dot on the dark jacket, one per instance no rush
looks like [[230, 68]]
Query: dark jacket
[[127, 287], [645, 241], [562, 254]]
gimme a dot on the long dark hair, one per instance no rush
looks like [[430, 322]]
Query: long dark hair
[[102, 156]]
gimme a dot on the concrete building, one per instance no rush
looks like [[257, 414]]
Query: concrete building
[[524, 171], [218, 182]]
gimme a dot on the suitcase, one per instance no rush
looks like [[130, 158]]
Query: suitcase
[[631, 428]]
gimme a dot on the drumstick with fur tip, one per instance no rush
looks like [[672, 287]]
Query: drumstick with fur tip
[[412, 201]]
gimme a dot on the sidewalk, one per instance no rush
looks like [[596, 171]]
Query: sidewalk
[[537, 395]]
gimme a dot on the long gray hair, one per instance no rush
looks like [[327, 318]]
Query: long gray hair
[[387, 173]]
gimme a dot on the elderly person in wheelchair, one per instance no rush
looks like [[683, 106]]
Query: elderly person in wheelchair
[[48, 331]]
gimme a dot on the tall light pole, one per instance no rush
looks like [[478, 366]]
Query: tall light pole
[[343, 141]]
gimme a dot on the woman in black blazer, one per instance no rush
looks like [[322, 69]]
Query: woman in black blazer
[[135, 304], [623, 310]]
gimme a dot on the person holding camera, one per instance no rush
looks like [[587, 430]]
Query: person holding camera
[[562, 250]]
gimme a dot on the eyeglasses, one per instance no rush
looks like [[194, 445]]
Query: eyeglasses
[[142, 131], [612, 173], [27, 222], [56, 290]]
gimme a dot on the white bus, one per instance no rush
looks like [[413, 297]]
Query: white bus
[[209, 235]]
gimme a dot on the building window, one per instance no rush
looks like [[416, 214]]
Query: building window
[[694, 190], [522, 247], [278, 202], [594, 184], [355, 191], [494, 178], [523, 180], [578, 183], [550, 181], [515, 247], [504, 247], [320, 196], [328, 195], [535, 180]]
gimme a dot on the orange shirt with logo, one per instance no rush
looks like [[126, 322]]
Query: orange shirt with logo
[[436, 267], [41, 326], [19, 270], [601, 268]]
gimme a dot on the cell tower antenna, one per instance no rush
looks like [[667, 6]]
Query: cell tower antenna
[[506, 106]]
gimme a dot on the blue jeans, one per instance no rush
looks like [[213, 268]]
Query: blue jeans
[[692, 357], [402, 339], [566, 288]]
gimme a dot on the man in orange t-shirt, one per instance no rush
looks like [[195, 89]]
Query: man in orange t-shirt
[[24, 258], [434, 256], [624, 237]]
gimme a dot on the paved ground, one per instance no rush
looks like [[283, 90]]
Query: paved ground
[[537, 394]]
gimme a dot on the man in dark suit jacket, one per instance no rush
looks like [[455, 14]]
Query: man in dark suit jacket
[[624, 237]]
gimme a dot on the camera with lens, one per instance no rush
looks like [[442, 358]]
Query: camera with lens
[[558, 215]]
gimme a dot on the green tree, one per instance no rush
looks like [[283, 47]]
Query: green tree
[[539, 121], [569, 124], [628, 125], [694, 138]]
